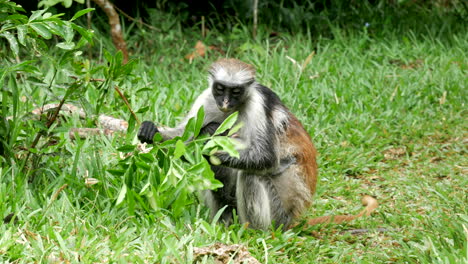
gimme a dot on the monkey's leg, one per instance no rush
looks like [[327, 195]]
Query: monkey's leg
[[259, 204], [253, 202], [224, 196]]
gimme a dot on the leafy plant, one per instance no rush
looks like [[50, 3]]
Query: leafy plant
[[65, 3], [165, 177], [29, 37]]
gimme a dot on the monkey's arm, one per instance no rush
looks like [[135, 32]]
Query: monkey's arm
[[259, 155], [212, 116]]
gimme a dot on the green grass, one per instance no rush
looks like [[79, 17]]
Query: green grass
[[387, 115]]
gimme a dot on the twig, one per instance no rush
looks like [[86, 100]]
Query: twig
[[91, 80], [307, 60], [255, 18], [126, 102], [203, 30], [107, 122], [116, 28], [120, 94], [48, 124], [88, 19], [365, 230]]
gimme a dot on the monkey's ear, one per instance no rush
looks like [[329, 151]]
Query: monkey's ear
[[147, 131]]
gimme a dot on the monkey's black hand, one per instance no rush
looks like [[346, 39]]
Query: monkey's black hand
[[147, 132]]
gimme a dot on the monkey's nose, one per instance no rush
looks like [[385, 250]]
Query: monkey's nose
[[225, 106]]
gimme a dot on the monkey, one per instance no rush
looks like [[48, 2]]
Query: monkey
[[273, 180]]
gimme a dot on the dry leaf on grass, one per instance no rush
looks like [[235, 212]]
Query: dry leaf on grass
[[222, 254], [394, 153], [411, 65], [200, 51]]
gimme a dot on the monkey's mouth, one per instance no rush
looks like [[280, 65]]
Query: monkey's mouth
[[225, 107]]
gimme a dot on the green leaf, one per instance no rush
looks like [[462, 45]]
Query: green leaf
[[189, 128], [157, 137], [126, 148], [122, 194], [56, 29], [173, 175], [152, 200], [228, 123], [36, 14], [81, 12], [146, 89], [21, 18], [143, 165], [209, 145], [197, 168], [145, 188], [190, 157], [147, 157], [22, 31], [179, 149], [143, 109], [215, 160], [66, 45], [227, 145], [235, 128], [12, 41], [199, 121], [42, 30], [67, 3], [116, 172], [68, 32], [88, 35]]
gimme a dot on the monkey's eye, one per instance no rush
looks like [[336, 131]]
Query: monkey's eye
[[219, 89], [236, 91]]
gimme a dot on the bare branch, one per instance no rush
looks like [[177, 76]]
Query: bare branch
[[116, 28]]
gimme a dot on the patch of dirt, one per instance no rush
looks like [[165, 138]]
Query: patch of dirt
[[394, 153], [410, 65], [222, 254]]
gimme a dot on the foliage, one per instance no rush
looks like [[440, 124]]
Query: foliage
[[159, 175], [31, 34], [65, 3], [167, 174]]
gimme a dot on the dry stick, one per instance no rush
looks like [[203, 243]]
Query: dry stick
[[85, 132], [255, 18], [126, 102], [52, 199], [116, 28], [120, 94], [88, 19], [109, 123], [203, 30], [91, 79], [48, 124]]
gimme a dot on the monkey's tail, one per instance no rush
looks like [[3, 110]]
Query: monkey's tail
[[368, 201]]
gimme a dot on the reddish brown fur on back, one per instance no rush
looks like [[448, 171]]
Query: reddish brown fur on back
[[304, 152]]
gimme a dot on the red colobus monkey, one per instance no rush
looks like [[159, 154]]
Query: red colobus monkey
[[275, 177]]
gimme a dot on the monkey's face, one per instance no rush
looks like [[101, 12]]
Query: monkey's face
[[228, 97]]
